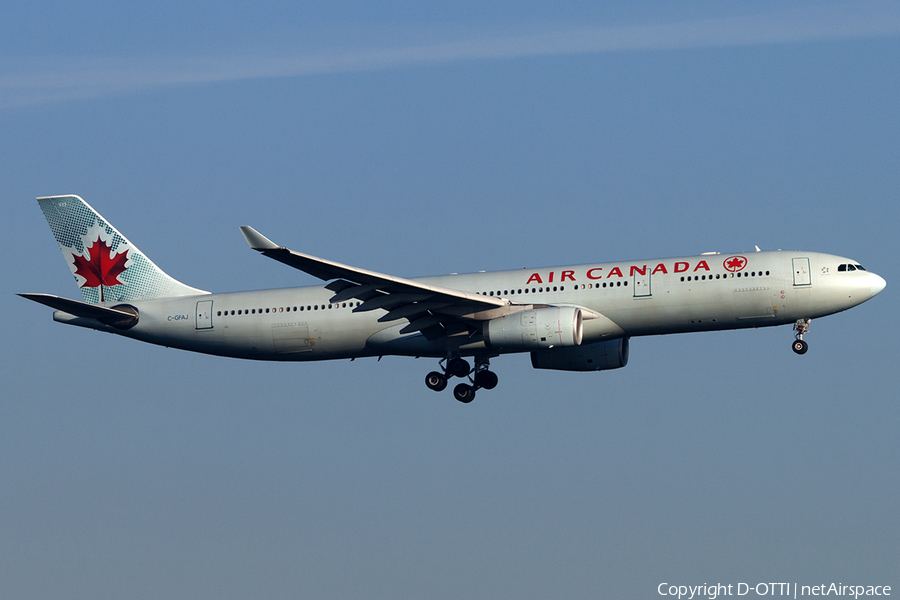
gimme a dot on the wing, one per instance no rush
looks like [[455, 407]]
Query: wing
[[433, 310]]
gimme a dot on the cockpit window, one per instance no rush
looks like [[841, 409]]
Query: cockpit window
[[851, 268]]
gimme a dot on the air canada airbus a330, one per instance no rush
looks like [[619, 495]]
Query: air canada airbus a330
[[571, 318]]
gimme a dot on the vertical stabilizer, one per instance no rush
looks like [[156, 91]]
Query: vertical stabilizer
[[107, 267]]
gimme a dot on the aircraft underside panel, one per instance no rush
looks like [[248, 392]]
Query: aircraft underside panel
[[292, 337]]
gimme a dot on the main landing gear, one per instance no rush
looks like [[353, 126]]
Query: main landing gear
[[801, 327], [480, 377]]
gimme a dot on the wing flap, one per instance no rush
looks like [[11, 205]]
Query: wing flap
[[410, 310]]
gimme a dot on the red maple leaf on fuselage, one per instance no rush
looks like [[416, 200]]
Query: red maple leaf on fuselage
[[101, 268], [735, 264]]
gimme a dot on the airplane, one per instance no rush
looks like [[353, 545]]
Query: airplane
[[570, 318]]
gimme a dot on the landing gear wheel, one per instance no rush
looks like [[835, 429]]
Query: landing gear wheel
[[486, 379], [436, 381], [800, 347], [464, 392], [458, 367]]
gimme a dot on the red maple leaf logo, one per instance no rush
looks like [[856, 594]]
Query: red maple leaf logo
[[100, 268], [735, 263]]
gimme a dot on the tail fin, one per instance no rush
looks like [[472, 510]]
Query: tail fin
[[106, 266]]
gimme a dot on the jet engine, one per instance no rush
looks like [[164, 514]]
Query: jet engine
[[550, 327], [612, 354]]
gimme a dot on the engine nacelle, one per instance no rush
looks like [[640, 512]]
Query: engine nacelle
[[551, 327], [601, 356]]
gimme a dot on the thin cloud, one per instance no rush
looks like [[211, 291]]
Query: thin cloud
[[47, 81]]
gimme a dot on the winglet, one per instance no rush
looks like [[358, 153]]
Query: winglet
[[257, 240]]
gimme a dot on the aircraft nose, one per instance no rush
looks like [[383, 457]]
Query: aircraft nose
[[877, 284]]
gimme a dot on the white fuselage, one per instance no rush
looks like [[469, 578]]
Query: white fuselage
[[631, 298]]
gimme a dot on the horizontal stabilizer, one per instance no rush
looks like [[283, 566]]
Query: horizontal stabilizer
[[123, 316]]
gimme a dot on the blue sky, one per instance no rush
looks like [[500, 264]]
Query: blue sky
[[426, 139]]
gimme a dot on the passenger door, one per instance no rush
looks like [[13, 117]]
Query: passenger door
[[204, 314], [801, 272]]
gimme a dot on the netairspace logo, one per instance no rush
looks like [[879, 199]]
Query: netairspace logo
[[794, 590]]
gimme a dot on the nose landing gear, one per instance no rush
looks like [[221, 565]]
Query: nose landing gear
[[801, 327], [480, 377]]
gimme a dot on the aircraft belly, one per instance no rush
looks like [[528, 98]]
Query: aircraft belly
[[390, 341], [695, 308], [754, 303]]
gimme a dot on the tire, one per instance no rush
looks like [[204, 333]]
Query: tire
[[800, 347], [486, 379], [458, 367], [464, 392], [436, 381]]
